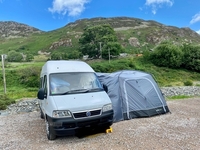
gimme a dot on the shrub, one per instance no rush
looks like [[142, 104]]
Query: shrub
[[188, 83], [29, 57], [14, 56], [191, 57], [29, 76], [167, 55], [4, 101]]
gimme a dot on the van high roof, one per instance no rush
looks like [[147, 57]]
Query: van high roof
[[56, 66]]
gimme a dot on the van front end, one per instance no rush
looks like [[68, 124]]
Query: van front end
[[70, 124]]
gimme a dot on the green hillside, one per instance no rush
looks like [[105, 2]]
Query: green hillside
[[135, 35]]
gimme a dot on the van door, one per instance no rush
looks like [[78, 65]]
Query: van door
[[44, 86]]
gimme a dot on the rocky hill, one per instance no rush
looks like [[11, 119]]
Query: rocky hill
[[11, 29], [135, 35], [141, 31]]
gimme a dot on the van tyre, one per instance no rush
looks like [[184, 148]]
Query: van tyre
[[49, 130], [41, 114]]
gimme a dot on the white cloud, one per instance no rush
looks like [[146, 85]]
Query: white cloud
[[152, 2], [158, 3], [198, 31], [70, 7], [195, 18]]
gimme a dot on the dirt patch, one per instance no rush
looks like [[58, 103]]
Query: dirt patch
[[179, 129]]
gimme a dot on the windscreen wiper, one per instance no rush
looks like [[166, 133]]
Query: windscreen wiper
[[75, 91], [95, 89]]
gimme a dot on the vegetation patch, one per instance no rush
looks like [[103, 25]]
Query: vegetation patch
[[178, 97], [188, 83], [5, 101]]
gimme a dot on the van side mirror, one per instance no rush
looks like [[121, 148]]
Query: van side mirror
[[41, 94], [105, 88]]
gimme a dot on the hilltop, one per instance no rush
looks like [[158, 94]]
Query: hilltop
[[11, 29]]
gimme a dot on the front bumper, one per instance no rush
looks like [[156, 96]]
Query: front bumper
[[70, 126]]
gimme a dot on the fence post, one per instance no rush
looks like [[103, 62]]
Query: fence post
[[4, 77]]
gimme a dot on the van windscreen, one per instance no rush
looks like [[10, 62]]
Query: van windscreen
[[61, 83]]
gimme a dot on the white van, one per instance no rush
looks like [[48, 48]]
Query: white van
[[71, 98]]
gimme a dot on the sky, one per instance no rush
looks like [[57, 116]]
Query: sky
[[48, 15]]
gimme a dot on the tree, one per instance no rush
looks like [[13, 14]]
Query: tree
[[93, 36], [112, 49], [14, 56]]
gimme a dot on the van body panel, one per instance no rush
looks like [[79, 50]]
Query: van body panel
[[60, 66], [84, 101], [48, 105]]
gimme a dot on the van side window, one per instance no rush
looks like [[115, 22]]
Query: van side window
[[41, 83], [45, 84]]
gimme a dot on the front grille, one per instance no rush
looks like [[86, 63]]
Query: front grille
[[85, 114]]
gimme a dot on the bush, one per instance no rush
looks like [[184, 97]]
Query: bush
[[29, 57], [4, 101], [191, 57], [29, 76], [58, 55], [188, 83], [167, 55], [14, 56]]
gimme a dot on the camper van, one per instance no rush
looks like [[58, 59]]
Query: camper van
[[72, 98]]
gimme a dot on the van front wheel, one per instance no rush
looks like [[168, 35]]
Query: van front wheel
[[41, 114], [49, 130]]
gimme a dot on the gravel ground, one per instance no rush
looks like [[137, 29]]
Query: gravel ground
[[179, 130]]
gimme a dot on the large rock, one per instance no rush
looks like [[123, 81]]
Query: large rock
[[133, 41], [66, 43]]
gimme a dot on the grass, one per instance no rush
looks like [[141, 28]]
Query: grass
[[178, 97], [17, 93], [41, 58], [21, 65]]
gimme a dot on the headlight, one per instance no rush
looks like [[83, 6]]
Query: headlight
[[61, 113], [107, 107]]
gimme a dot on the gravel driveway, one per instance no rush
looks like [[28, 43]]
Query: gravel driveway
[[179, 129]]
